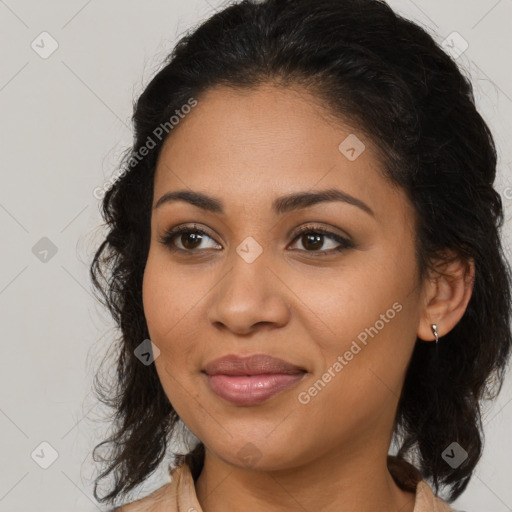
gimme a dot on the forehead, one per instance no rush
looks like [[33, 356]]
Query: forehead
[[248, 146]]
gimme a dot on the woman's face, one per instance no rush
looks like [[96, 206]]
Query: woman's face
[[252, 284]]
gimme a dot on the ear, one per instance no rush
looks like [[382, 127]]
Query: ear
[[446, 296]]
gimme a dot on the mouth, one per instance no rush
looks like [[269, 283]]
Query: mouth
[[251, 389], [251, 380]]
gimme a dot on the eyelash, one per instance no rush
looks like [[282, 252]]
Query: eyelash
[[344, 243]]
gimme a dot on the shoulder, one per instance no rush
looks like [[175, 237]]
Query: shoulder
[[409, 478], [158, 501], [427, 501], [178, 494]]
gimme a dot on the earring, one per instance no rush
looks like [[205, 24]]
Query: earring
[[434, 330]]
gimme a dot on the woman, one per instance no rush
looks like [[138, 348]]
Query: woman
[[304, 260]]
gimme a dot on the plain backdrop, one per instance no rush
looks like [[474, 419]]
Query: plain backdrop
[[65, 119]]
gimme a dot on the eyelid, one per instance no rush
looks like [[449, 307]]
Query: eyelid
[[173, 232], [328, 231]]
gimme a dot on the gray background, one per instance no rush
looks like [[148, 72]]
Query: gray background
[[65, 121]]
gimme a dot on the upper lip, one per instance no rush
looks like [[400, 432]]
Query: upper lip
[[257, 364]]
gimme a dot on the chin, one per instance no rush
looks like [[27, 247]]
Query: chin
[[256, 453]]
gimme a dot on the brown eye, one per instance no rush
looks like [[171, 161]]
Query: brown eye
[[189, 238], [313, 240]]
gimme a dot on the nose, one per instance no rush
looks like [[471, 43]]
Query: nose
[[249, 295]]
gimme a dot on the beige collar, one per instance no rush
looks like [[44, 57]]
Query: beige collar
[[180, 495], [186, 498]]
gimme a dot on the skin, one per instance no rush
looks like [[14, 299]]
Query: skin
[[246, 148]]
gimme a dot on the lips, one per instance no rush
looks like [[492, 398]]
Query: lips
[[251, 380], [258, 364]]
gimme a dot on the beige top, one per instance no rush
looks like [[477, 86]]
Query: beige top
[[180, 495]]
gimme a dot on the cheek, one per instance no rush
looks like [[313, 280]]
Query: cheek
[[163, 308], [365, 329], [169, 309], [153, 284], [357, 390], [344, 303], [166, 299]]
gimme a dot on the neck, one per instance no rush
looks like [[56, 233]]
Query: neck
[[333, 483]]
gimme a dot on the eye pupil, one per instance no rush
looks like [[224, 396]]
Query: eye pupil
[[195, 237], [315, 239]]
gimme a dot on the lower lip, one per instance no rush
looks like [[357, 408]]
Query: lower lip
[[251, 389]]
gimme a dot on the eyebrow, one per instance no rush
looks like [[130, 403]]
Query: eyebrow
[[280, 206]]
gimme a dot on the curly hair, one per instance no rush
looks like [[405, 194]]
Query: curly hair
[[390, 78]]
